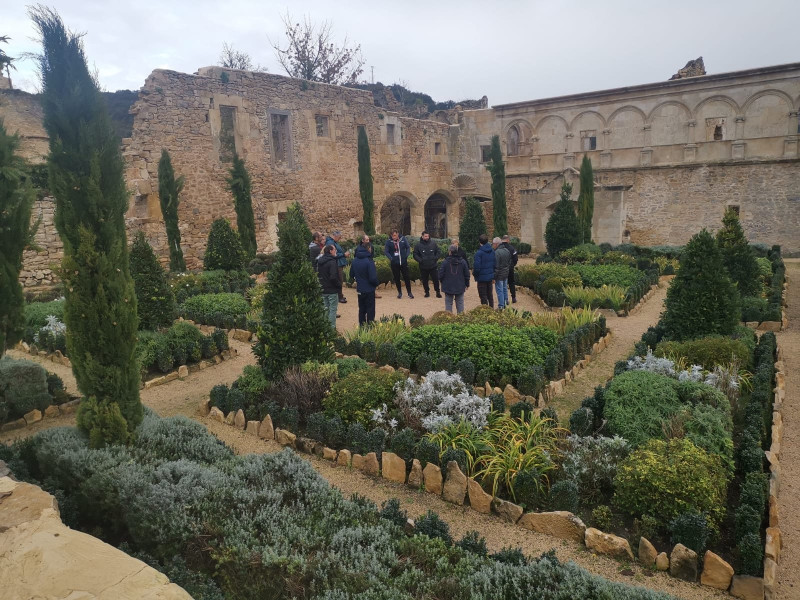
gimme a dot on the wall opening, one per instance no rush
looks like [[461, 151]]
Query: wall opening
[[390, 134], [396, 214], [227, 138], [281, 139], [436, 216], [513, 141], [486, 153], [717, 132], [322, 126]]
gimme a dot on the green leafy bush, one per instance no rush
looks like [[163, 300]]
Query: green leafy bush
[[602, 516], [224, 249], [563, 230], [707, 352], [155, 303], [691, 530], [531, 276], [738, 256], [751, 555], [185, 285], [564, 496], [592, 462], [498, 350], [354, 396], [23, 388], [710, 428], [226, 310], [391, 511], [599, 275], [432, 525], [348, 365], [473, 542], [671, 478], [181, 344], [403, 443], [532, 381]]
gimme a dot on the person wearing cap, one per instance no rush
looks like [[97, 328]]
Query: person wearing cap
[[397, 250], [483, 270], [502, 265], [454, 279], [512, 288], [426, 253], [341, 259]]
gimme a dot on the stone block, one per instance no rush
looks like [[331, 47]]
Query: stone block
[[33, 416], [239, 420], [683, 563], [561, 524], [252, 428], [455, 486], [265, 429], [479, 500], [511, 395], [770, 326], [774, 519], [432, 476], [774, 544], [69, 407], [154, 382], [662, 562], [304, 444], [393, 467], [216, 415], [285, 438], [387, 368], [716, 572], [371, 465], [647, 552], [329, 454], [204, 407], [747, 587], [343, 460], [608, 544], [241, 335], [770, 578], [508, 511], [170, 377], [183, 372], [358, 462], [415, 475], [51, 411], [12, 425]]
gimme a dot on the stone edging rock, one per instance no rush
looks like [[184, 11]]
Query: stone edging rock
[[183, 371], [34, 416]]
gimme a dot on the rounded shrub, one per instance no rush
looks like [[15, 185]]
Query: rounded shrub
[[432, 525], [532, 381], [691, 530], [751, 554], [387, 354], [224, 249], [353, 397], [423, 364], [522, 411], [564, 496], [466, 370], [581, 421]]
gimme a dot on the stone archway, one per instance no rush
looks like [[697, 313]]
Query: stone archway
[[396, 214], [436, 215]]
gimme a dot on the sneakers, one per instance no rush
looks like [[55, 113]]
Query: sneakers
[[513, 301], [410, 295], [342, 300]]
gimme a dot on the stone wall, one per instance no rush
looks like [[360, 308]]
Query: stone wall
[[38, 266], [22, 114]]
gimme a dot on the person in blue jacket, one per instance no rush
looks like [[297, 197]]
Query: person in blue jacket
[[397, 250], [366, 275], [341, 259], [483, 270]]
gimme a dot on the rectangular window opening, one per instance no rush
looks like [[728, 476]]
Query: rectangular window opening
[[390, 134], [588, 140], [486, 154], [322, 126], [437, 148], [227, 138], [280, 138]]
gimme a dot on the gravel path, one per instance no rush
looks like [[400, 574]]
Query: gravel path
[[788, 585]]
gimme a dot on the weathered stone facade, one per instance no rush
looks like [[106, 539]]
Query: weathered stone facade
[[668, 157]]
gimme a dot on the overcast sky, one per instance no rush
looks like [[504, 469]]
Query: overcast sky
[[509, 50]]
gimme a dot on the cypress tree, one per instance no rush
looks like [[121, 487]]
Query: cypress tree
[[563, 230], [154, 300], [224, 249], [702, 299], [239, 185], [738, 256], [365, 182], [16, 201], [586, 200], [473, 225], [294, 327], [86, 179], [169, 189], [498, 172]]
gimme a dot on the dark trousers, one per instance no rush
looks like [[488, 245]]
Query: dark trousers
[[432, 273], [398, 270], [512, 289], [485, 293], [366, 307], [341, 280]]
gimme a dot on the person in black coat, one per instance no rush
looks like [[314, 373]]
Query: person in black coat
[[397, 251], [328, 275], [454, 279], [426, 253], [366, 275], [514, 259]]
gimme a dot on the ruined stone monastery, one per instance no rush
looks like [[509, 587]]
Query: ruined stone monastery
[[668, 157]]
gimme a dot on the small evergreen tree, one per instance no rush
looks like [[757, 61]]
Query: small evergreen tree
[[473, 225], [701, 300], [86, 179], [154, 299], [16, 201], [169, 189], [738, 256], [586, 200], [563, 230], [239, 185], [224, 250], [497, 169], [294, 326], [365, 182]]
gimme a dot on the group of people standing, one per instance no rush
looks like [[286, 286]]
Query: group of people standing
[[493, 264]]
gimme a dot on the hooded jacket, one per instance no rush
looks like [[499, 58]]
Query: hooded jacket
[[513, 251], [341, 259], [454, 275], [426, 254], [363, 270], [404, 250], [483, 264], [502, 263], [328, 274]]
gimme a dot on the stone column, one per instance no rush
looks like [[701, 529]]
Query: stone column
[[605, 152], [738, 146], [790, 144], [569, 157], [690, 148]]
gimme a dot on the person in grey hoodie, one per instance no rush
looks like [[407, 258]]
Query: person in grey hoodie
[[502, 266], [454, 277]]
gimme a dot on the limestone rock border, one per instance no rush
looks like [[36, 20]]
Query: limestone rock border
[[34, 416]]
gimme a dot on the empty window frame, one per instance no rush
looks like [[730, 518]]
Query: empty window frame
[[486, 152], [588, 140], [390, 134], [322, 126], [715, 129], [513, 141], [281, 138], [227, 137], [437, 148]]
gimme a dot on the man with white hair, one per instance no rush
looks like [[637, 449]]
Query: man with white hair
[[502, 266]]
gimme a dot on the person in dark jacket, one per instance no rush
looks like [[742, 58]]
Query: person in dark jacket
[[483, 270], [502, 265], [426, 253], [397, 251], [367, 243], [341, 258], [461, 253], [315, 249], [512, 288], [366, 275], [454, 277], [328, 274]]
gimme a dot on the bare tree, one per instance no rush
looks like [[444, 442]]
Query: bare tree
[[230, 58], [310, 53]]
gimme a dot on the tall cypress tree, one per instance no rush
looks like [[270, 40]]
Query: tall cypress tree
[[239, 185], [365, 182], [563, 230], [586, 200], [473, 225], [169, 189], [16, 201], [294, 327], [738, 256], [86, 179], [498, 172]]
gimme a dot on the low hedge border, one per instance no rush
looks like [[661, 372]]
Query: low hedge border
[[183, 371], [52, 411]]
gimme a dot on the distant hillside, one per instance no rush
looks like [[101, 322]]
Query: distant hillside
[[119, 103]]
